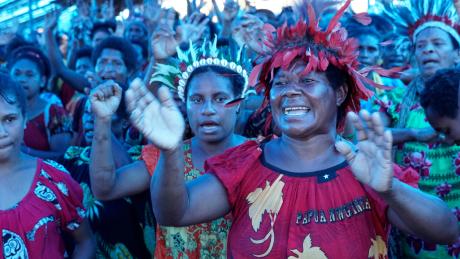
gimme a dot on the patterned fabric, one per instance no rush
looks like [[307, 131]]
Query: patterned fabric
[[436, 164], [119, 225], [54, 120], [280, 214], [32, 228], [207, 240]]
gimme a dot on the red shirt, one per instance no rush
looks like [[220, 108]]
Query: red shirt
[[280, 214], [33, 227]]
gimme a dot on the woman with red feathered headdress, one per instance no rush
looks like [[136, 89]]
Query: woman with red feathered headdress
[[306, 193], [434, 31]]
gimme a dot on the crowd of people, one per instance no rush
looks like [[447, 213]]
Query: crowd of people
[[314, 133]]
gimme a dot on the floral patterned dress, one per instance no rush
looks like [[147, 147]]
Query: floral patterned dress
[[33, 227], [437, 164], [207, 240]]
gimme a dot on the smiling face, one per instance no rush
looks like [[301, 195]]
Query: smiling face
[[207, 95], [434, 50], [303, 106], [111, 66], [11, 130]]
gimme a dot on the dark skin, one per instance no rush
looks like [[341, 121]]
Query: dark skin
[[178, 203], [75, 80], [205, 104], [434, 50], [29, 76], [17, 171]]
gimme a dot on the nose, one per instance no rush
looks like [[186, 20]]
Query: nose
[[428, 48], [208, 108], [363, 53], [292, 90]]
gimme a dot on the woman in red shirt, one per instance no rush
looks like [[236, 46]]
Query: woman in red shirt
[[38, 199]]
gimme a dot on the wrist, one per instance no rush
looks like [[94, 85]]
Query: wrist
[[391, 191]]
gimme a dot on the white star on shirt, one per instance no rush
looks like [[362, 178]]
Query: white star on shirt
[[326, 176]]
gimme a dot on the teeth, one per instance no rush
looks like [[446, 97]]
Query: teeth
[[296, 110]]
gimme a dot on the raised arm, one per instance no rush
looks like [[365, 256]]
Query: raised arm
[[402, 135], [108, 183], [174, 202], [76, 81], [411, 210]]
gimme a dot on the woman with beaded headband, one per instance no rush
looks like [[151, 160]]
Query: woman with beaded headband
[[434, 30], [300, 195], [211, 86]]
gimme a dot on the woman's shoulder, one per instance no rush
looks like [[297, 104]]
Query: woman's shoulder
[[52, 171]]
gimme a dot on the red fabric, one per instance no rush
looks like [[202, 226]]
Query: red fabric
[[36, 132], [150, 155], [244, 174], [53, 204], [67, 92]]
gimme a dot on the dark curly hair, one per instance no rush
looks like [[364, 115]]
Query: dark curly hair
[[120, 44], [33, 54], [12, 93], [441, 93]]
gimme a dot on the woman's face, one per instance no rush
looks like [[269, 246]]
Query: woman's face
[[434, 50], [29, 77], [11, 130], [207, 95], [304, 105]]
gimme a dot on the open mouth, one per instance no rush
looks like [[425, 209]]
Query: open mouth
[[108, 77], [296, 110], [209, 125], [430, 61]]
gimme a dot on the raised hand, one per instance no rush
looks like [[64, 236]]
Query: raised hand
[[163, 42], [107, 10], [229, 13], [193, 29], [158, 119], [249, 30], [51, 20], [370, 160], [105, 99]]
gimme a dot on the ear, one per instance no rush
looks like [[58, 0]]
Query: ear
[[341, 94], [457, 56], [43, 82]]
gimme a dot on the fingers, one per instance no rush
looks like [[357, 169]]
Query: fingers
[[165, 97], [134, 94], [367, 123], [105, 91], [387, 145], [346, 150], [355, 121]]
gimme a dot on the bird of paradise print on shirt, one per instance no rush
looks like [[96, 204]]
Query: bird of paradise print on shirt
[[268, 200], [308, 251]]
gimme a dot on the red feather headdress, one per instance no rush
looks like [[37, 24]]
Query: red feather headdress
[[319, 49], [413, 16]]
